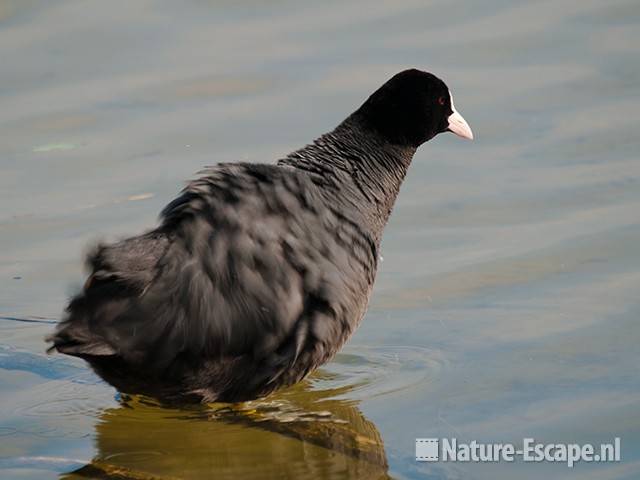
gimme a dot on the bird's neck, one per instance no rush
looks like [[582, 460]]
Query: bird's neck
[[356, 167]]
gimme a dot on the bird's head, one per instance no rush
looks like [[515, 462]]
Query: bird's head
[[412, 108]]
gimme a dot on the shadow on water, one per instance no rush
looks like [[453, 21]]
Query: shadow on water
[[298, 433]]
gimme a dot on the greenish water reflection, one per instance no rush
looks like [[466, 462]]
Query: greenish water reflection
[[298, 433]]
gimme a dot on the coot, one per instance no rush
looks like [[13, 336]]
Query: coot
[[257, 274]]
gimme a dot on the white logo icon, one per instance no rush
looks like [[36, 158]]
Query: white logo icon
[[427, 449]]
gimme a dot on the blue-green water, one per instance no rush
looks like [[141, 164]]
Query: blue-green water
[[507, 304]]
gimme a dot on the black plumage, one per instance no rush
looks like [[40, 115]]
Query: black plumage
[[257, 273]]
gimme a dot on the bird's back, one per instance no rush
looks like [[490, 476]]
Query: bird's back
[[254, 277]]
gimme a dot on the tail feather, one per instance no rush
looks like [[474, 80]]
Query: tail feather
[[120, 273], [73, 336]]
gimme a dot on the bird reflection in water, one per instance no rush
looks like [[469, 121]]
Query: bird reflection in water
[[300, 432]]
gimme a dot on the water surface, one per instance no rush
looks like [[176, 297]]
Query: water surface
[[507, 302]]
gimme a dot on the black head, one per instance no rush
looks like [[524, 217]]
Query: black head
[[411, 108]]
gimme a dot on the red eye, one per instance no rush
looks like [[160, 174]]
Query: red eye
[[442, 100]]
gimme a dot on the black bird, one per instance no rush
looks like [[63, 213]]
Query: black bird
[[257, 273]]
